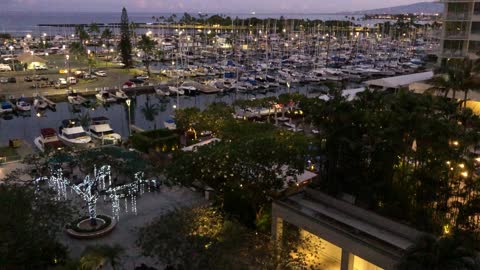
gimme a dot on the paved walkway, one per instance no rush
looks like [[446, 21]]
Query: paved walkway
[[149, 207]]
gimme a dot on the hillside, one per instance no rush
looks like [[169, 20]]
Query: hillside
[[422, 7]]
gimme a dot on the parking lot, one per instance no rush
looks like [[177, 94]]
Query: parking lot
[[43, 81]]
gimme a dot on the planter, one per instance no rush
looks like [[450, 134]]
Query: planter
[[82, 228]]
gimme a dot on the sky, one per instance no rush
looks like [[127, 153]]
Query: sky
[[206, 6]]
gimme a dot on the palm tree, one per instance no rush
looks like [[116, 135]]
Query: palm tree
[[147, 45], [112, 254], [458, 76], [106, 36], [82, 34], [92, 261], [150, 111], [431, 253], [77, 49], [93, 29], [85, 120]]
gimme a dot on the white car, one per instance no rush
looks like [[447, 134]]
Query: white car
[[72, 80], [5, 67], [61, 83], [42, 67], [100, 73], [142, 77]]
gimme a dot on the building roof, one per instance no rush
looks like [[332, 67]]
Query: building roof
[[400, 81], [368, 227], [29, 58]]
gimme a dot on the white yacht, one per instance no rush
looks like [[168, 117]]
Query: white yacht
[[170, 124], [75, 99], [188, 89], [100, 129], [105, 97], [161, 92], [120, 94], [175, 90], [6, 107], [39, 104], [48, 140], [23, 105], [72, 133]]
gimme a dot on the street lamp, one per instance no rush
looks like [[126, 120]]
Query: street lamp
[[67, 58], [129, 102]]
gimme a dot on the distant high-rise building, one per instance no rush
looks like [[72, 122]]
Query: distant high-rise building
[[461, 29]]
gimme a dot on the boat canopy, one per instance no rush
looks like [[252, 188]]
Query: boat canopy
[[101, 128], [47, 132]]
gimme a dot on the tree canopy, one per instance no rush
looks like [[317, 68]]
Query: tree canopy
[[31, 222]]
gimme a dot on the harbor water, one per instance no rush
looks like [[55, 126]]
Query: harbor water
[[27, 126]]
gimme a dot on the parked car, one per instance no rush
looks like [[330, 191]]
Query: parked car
[[12, 80], [72, 80], [3, 80], [41, 67], [137, 81], [28, 79], [142, 77], [61, 83], [100, 73], [37, 78], [89, 77], [43, 78], [4, 67], [129, 84], [79, 74]]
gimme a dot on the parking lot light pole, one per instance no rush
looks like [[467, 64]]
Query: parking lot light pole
[[67, 58], [129, 102]]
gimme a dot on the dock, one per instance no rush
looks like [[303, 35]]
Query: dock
[[202, 88], [52, 105]]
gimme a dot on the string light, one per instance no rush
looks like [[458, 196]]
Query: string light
[[91, 188]]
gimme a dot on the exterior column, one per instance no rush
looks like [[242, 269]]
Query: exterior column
[[347, 260], [277, 228]]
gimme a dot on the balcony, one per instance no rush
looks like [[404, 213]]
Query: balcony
[[456, 35], [458, 17], [452, 53]]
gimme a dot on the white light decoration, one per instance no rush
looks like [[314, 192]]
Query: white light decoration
[[101, 183]]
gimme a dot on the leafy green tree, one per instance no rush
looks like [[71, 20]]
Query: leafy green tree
[[201, 238], [236, 167], [431, 253], [98, 255], [30, 225], [125, 45], [404, 155]]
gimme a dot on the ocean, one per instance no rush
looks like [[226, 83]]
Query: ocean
[[20, 23]]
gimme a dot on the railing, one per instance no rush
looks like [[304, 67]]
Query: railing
[[453, 53], [458, 17], [456, 35]]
